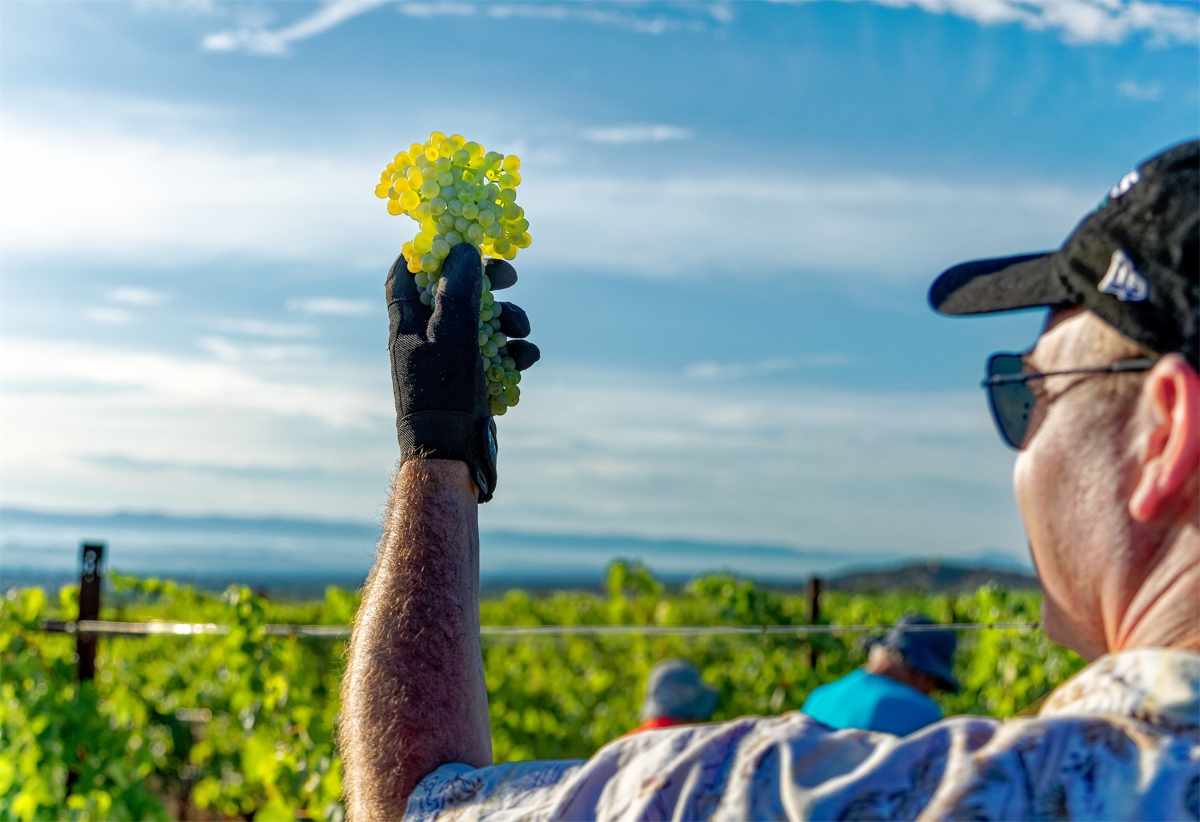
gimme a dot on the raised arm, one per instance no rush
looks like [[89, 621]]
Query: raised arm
[[413, 697], [413, 693]]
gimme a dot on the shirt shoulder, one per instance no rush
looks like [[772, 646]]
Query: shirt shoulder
[[1122, 742]]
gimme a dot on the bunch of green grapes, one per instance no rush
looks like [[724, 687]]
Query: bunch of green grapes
[[458, 193]]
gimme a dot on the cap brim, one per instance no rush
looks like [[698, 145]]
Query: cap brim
[[1001, 284]]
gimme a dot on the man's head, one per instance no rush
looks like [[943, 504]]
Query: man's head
[[921, 658], [1108, 478], [674, 690]]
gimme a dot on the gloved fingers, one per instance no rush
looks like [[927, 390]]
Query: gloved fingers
[[514, 322], [401, 285], [408, 315], [462, 277], [524, 353], [500, 273]]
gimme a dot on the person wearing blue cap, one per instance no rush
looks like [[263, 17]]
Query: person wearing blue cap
[[891, 692]]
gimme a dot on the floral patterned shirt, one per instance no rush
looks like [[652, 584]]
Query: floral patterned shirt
[[1120, 740]]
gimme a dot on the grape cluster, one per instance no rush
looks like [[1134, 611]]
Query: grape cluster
[[458, 193]]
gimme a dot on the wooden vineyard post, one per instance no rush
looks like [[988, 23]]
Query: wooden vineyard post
[[89, 608], [814, 615]]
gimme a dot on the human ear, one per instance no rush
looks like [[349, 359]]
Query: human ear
[[1172, 446]]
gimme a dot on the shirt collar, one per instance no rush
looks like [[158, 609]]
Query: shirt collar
[[1159, 686]]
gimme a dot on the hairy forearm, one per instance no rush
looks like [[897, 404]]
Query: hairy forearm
[[413, 697]]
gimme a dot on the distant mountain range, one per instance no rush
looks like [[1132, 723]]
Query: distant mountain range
[[40, 547]]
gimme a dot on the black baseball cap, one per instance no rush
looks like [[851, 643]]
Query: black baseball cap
[[1134, 262]]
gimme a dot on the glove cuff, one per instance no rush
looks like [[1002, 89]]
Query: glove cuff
[[452, 435]]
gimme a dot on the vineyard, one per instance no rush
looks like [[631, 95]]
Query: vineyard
[[242, 725]]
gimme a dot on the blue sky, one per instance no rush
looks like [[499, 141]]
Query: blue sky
[[736, 210]]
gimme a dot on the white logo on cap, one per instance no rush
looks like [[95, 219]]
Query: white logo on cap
[[1127, 182], [1123, 280]]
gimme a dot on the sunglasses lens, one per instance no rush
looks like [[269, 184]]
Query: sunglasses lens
[[1012, 403]]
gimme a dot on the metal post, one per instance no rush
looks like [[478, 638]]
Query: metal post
[[89, 608], [814, 615]]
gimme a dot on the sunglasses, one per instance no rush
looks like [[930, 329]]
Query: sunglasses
[[1015, 404]]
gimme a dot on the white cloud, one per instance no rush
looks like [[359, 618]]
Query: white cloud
[[254, 205], [1078, 21], [257, 40], [107, 315], [712, 370], [160, 200], [228, 351], [918, 472], [1143, 92], [922, 473], [335, 306], [140, 297], [636, 134], [264, 328], [169, 383]]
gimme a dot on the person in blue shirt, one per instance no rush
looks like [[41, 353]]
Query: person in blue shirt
[[891, 692]]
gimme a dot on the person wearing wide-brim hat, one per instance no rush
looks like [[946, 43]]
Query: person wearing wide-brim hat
[[891, 692], [675, 695]]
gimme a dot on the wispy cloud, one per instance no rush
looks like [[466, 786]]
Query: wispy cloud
[[257, 40], [260, 39], [253, 205], [636, 134], [108, 315], [265, 328], [170, 382], [335, 306], [1077, 21], [1143, 92], [132, 295], [713, 370]]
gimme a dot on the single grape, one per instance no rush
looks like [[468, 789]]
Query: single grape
[[445, 178], [440, 248], [474, 232], [408, 201], [484, 336], [422, 279], [499, 339], [431, 154], [470, 211], [512, 394], [437, 206], [486, 218], [462, 157], [422, 243], [501, 245], [489, 349], [507, 196], [496, 407], [461, 225], [511, 163], [495, 373], [407, 250], [393, 207], [425, 298], [455, 207], [403, 160], [488, 298], [485, 314], [430, 189], [453, 238]]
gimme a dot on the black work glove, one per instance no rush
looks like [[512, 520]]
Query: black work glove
[[438, 376]]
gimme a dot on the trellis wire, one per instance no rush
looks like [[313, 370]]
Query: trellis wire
[[140, 629]]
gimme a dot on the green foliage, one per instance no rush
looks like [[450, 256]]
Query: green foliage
[[243, 724]]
